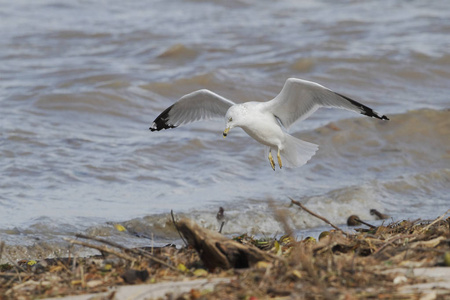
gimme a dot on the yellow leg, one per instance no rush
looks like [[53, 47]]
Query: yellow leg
[[272, 163], [279, 159]]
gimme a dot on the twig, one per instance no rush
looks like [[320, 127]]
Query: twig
[[17, 267], [176, 226], [13, 278], [221, 226], [391, 241], [106, 242], [435, 221], [103, 249], [317, 216], [2, 247], [365, 223], [74, 264], [134, 251], [83, 282], [266, 276], [8, 274]]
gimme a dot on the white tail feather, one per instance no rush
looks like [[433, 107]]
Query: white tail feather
[[296, 152]]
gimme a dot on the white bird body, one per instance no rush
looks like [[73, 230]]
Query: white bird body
[[266, 122], [269, 133]]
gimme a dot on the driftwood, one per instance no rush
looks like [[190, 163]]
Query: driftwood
[[218, 251]]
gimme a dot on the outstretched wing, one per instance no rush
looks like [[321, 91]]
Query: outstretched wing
[[196, 106], [300, 98]]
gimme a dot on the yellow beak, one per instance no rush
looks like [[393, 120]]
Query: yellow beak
[[225, 132]]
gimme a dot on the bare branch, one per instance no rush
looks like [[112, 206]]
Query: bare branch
[[317, 216], [134, 251], [103, 249]]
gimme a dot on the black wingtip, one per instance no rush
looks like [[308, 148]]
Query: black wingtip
[[158, 128], [374, 114], [365, 110], [162, 121], [371, 113]]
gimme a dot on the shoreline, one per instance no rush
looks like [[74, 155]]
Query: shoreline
[[407, 260]]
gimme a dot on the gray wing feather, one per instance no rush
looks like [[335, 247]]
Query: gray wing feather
[[300, 98], [196, 106]]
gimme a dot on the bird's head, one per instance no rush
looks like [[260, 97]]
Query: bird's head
[[234, 118]]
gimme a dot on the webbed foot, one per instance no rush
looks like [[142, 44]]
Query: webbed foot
[[279, 159], [272, 162]]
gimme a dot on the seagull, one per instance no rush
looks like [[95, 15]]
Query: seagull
[[266, 122]]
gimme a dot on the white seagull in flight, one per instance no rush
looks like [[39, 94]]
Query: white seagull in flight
[[266, 122]]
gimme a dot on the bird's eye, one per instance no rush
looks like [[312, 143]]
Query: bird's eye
[[230, 119]]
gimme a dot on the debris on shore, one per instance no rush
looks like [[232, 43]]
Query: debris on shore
[[373, 263]]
